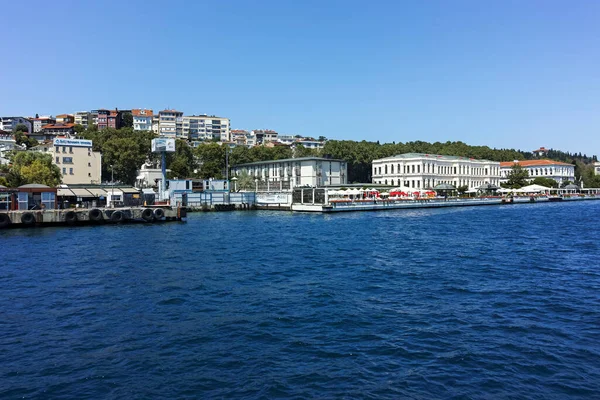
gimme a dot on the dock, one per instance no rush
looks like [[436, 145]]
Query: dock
[[90, 216]]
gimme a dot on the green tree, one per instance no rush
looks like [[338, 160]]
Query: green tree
[[181, 163], [211, 159], [462, 189], [78, 128], [33, 167], [21, 128], [517, 177], [301, 151], [22, 139], [548, 182], [127, 120], [245, 181]]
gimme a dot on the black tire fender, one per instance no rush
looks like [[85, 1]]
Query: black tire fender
[[147, 215], [4, 220], [28, 219], [71, 217], [96, 215], [159, 213], [117, 216]]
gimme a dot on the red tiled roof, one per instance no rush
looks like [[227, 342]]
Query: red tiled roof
[[58, 126], [138, 112], [533, 163]]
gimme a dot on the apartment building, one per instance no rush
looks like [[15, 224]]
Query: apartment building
[[170, 124], [50, 131], [76, 160], [264, 135], [559, 171], [85, 118], [198, 128], [39, 122], [142, 119], [423, 171], [9, 124], [65, 119], [109, 119]]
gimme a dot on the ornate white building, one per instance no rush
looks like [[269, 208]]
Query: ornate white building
[[422, 171], [559, 171], [597, 167]]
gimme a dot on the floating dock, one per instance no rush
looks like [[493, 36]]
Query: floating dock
[[90, 216], [378, 205]]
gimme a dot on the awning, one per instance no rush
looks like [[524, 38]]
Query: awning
[[62, 192], [82, 193], [129, 190], [97, 192]]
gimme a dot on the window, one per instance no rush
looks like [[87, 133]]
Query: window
[[64, 171], [89, 174], [71, 149], [64, 149], [58, 160], [67, 160], [70, 171], [89, 164]]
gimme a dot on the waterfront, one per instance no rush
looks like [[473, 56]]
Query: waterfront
[[477, 302]]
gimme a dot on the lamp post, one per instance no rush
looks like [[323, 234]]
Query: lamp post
[[112, 184]]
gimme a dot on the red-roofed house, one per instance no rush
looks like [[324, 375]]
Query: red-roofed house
[[50, 131], [142, 119]]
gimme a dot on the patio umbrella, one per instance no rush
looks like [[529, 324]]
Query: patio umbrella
[[444, 186]]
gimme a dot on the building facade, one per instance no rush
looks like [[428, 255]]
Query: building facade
[[84, 118], [76, 160], [296, 172], [425, 171], [65, 119], [264, 135], [170, 124], [9, 124], [597, 167], [50, 131], [559, 171], [39, 122], [8, 143], [198, 128], [109, 119], [142, 119]]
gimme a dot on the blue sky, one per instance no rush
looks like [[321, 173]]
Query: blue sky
[[508, 74]]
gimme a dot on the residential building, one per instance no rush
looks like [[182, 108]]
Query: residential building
[[149, 176], [287, 139], [65, 119], [597, 167], [155, 124], [424, 171], [109, 119], [39, 122], [264, 135], [9, 124], [85, 118], [51, 131], [541, 152], [199, 128], [170, 124], [76, 160], [559, 171], [239, 136], [8, 143], [296, 172], [309, 143], [142, 119]]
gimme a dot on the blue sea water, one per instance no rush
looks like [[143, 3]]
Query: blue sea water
[[486, 302]]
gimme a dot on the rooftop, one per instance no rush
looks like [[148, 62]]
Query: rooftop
[[58, 126], [137, 112], [430, 156], [533, 163], [289, 160]]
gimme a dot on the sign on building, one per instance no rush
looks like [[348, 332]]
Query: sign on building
[[72, 142], [163, 144]]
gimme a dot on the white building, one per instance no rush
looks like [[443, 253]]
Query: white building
[[147, 176], [422, 171], [265, 135], [199, 128], [296, 172], [597, 167], [170, 124], [76, 160], [559, 171], [38, 123], [9, 124], [8, 144], [142, 119], [310, 144]]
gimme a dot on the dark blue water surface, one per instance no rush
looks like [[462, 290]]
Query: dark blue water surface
[[486, 302]]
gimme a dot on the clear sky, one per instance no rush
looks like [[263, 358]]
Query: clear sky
[[508, 74]]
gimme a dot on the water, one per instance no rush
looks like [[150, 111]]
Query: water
[[487, 302]]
